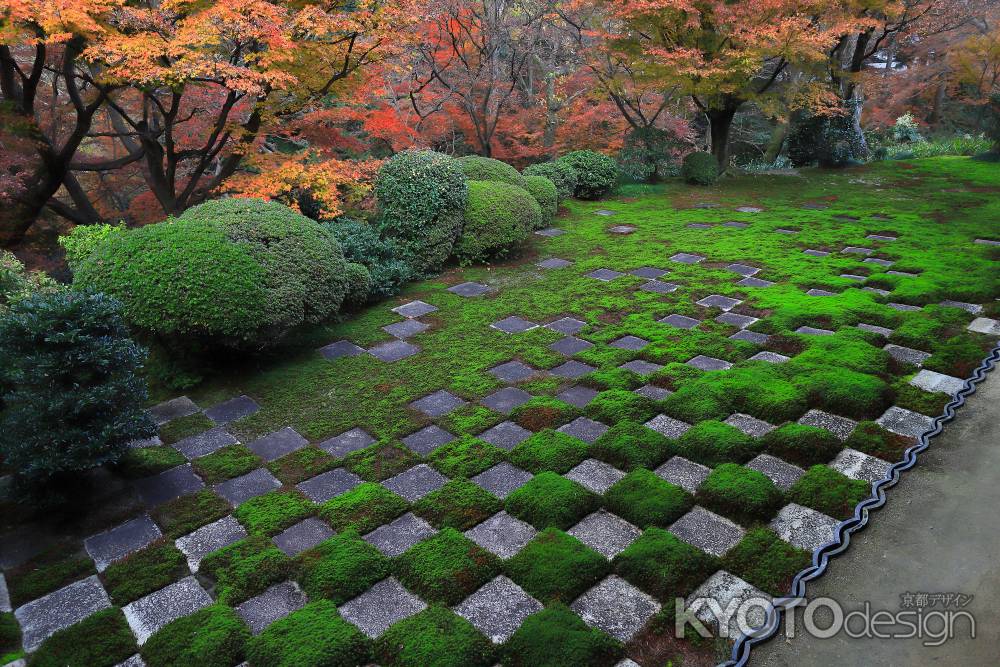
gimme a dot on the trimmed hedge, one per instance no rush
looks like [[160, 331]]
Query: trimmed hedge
[[700, 168], [562, 175], [498, 217], [596, 173], [544, 192], [211, 637], [479, 168]]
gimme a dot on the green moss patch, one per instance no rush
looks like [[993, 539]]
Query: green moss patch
[[148, 461], [447, 567], [185, 427], [459, 504], [225, 463], [183, 515], [801, 444], [271, 513], [766, 561], [556, 637], [436, 636], [101, 640], [245, 569], [144, 572], [213, 636], [341, 568], [301, 465], [551, 500], [828, 491], [664, 565], [556, 566], [313, 635], [549, 450], [712, 442], [47, 572], [628, 445], [645, 499], [743, 494], [465, 457], [364, 508]]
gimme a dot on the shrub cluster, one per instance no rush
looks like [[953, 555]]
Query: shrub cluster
[[700, 168], [544, 192], [362, 244], [498, 217], [479, 168], [562, 175], [596, 173]]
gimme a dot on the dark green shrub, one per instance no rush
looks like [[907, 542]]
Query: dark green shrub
[[364, 508], [183, 515], [596, 173], [766, 561], [421, 199], [447, 567], [712, 442], [17, 283], [225, 463], [213, 636], [740, 493], [498, 217], [664, 565], [362, 244], [619, 405], [459, 504], [245, 569], [628, 445], [649, 154], [801, 444], [562, 175], [341, 568], [436, 637], [101, 640], [72, 395], [147, 461], [551, 500], [830, 140], [556, 566], [359, 285], [645, 499], [828, 491], [700, 168], [479, 168], [144, 572], [549, 450], [313, 635], [47, 572], [272, 512], [544, 192], [543, 412], [556, 637], [465, 457]]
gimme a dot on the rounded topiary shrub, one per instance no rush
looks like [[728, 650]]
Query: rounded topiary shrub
[[479, 168], [544, 192], [361, 244], [498, 216], [421, 199], [700, 168], [560, 173], [596, 173]]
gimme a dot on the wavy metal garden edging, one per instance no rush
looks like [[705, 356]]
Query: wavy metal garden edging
[[821, 556]]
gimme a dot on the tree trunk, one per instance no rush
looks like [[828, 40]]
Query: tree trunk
[[776, 142], [720, 122]]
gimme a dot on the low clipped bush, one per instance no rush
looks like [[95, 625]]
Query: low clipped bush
[[459, 504], [341, 568], [828, 491], [645, 499], [544, 192], [618, 405], [447, 567], [436, 636], [549, 499], [628, 445], [700, 168], [743, 494], [213, 636], [765, 560], [664, 565], [596, 173], [498, 217], [272, 512], [479, 168], [364, 508], [359, 285], [801, 444], [713, 442], [245, 568], [421, 201], [562, 175], [101, 640], [362, 244], [313, 635], [549, 450], [556, 566], [557, 637]]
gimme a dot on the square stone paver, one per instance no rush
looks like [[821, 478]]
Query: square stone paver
[[550, 232], [755, 282], [605, 275], [803, 527], [570, 345], [514, 324], [4, 596], [302, 536], [753, 337], [659, 287], [168, 485], [876, 290], [987, 242], [641, 367], [744, 270], [749, 209], [502, 479], [719, 301], [905, 422], [41, 618], [858, 465], [736, 320], [815, 253], [905, 307], [394, 538], [668, 426], [414, 309], [813, 331], [273, 604], [652, 392], [584, 429], [857, 250], [604, 212], [680, 321], [427, 439], [241, 489], [633, 343], [649, 272], [881, 237], [907, 354], [406, 328], [175, 408], [438, 404], [393, 350], [687, 258], [595, 475], [709, 363], [851, 276], [113, 545], [498, 609], [782, 230], [385, 603], [605, 533], [572, 369], [616, 607], [327, 485], [683, 473], [203, 541], [937, 382], [878, 261], [730, 592], [566, 325], [204, 443], [469, 289], [972, 308], [577, 396], [233, 409], [148, 614], [415, 483], [882, 331], [505, 435], [985, 325], [553, 263], [708, 531], [513, 371], [752, 426], [783, 474], [341, 348], [770, 357], [347, 442], [819, 292], [275, 445], [699, 225], [505, 400], [622, 229], [842, 427], [502, 535], [735, 225]]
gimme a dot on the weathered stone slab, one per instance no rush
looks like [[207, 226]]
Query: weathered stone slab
[[347, 442], [907, 354], [553, 263], [566, 325], [577, 396], [877, 260], [175, 408], [469, 289], [937, 382], [985, 325], [4, 596], [730, 592], [415, 309], [385, 603], [819, 292], [709, 363], [652, 392], [205, 540], [749, 209], [328, 485], [668, 426], [632, 343], [687, 258], [113, 545], [752, 426], [394, 350], [205, 443], [858, 465], [659, 287], [273, 604], [570, 345], [595, 475], [680, 321], [427, 439], [605, 212], [605, 533], [744, 270], [616, 607], [605, 275], [718, 301], [708, 531], [148, 614], [736, 320], [622, 229], [905, 307], [783, 474], [770, 357], [750, 337], [683, 473], [302, 536], [275, 445], [755, 282], [502, 535], [394, 538], [882, 331], [502, 479], [851, 276], [513, 371], [506, 400], [733, 224], [804, 528], [41, 618], [585, 429], [241, 489], [514, 324], [406, 328], [341, 348], [815, 253], [842, 427], [641, 367], [505, 435], [857, 250], [551, 232], [573, 369], [168, 485], [415, 483], [813, 331], [973, 308], [880, 237], [987, 242], [905, 422], [231, 410], [649, 272], [438, 404], [498, 609]]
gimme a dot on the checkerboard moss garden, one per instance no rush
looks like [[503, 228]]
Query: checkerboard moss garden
[[305, 507]]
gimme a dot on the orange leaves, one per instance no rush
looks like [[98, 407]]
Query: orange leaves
[[53, 21]]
